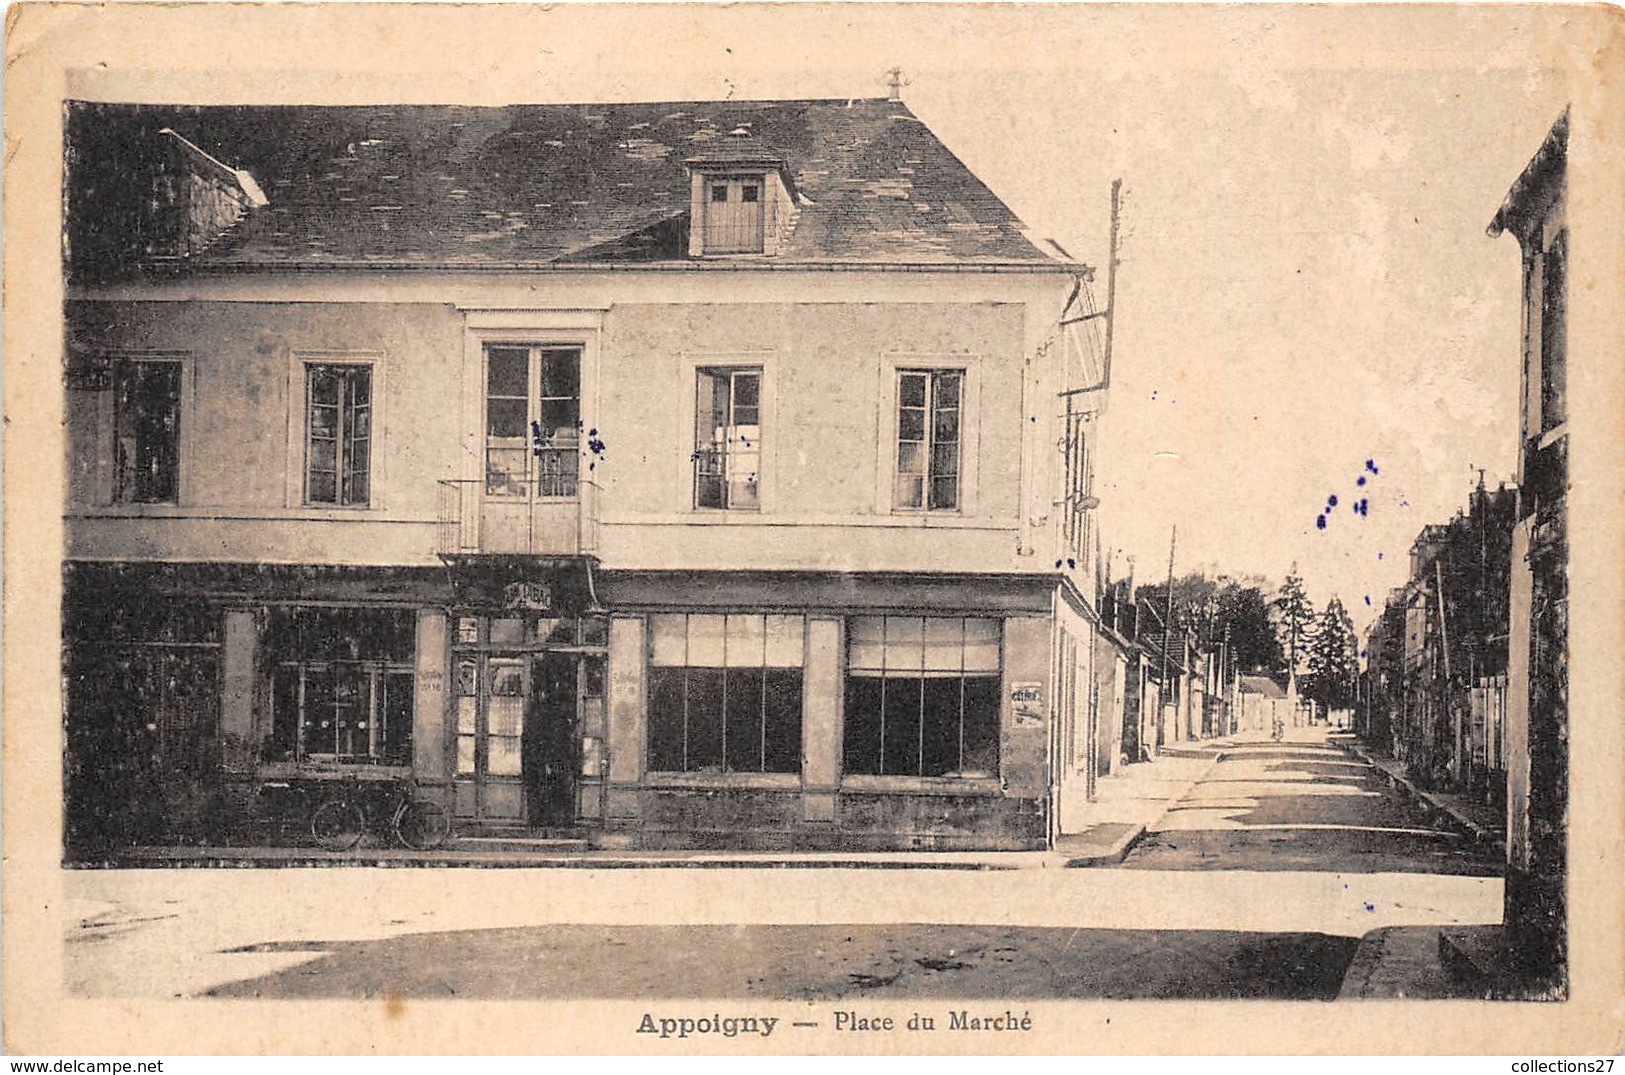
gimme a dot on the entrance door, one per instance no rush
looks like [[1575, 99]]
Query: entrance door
[[551, 740]]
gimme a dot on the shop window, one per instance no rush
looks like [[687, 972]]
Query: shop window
[[928, 433], [725, 693], [922, 696], [532, 421], [146, 431], [728, 439], [338, 434], [341, 685]]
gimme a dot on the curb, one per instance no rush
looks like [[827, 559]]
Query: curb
[[203, 858], [1120, 848], [1367, 957], [1465, 825]]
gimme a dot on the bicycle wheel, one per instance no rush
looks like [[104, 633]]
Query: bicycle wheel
[[337, 824], [423, 825]]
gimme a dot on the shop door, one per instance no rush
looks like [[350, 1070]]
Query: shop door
[[551, 740]]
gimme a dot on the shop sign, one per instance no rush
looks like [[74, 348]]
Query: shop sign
[[527, 597], [1027, 704]]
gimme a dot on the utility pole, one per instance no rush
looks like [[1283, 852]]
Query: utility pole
[[1111, 277], [1167, 631]]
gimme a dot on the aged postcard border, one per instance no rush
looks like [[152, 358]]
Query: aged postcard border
[[229, 53]]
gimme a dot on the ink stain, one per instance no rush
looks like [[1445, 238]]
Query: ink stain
[[1367, 600], [1370, 908]]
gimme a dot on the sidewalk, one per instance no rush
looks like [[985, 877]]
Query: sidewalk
[[590, 859], [1132, 800], [1470, 815], [1126, 805]]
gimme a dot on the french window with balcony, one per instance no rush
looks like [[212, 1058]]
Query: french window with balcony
[[532, 421], [725, 693], [146, 431], [922, 696], [728, 439], [928, 438], [338, 434]]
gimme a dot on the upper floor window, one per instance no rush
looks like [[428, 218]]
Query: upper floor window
[[922, 696], [928, 435], [146, 431], [733, 214], [532, 420], [1077, 484], [338, 434], [728, 439]]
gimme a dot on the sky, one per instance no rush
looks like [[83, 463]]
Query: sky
[[1306, 282]]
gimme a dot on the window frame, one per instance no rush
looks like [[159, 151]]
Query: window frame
[[300, 362], [375, 672], [686, 423], [535, 404], [98, 374], [727, 454], [975, 778], [123, 365], [684, 670], [888, 424], [343, 438]]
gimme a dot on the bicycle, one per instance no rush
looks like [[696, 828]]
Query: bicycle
[[277, 812], [344, 817]]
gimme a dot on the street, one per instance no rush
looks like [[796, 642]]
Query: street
[[1258, 883], [1302, 804]]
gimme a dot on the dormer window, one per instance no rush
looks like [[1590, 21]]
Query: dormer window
[[742, 199], [733, 215]]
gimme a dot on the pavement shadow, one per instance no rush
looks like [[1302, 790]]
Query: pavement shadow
[[1286, 806], [814, 963]]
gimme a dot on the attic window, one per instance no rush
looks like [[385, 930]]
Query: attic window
[[733, 215]]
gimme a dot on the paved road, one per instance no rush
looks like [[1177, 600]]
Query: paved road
[[1305, 805], [1259, 884]]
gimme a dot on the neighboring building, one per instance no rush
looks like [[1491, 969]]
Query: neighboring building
[[1441, 675], [1382, 679], [674, 475], [1263, 702], [1536, 737]]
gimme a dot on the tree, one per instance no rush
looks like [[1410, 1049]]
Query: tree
[[1294, 622], [1244, 612], [1333, 663]]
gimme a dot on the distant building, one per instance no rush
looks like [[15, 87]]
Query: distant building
[[1535, 213], [1263, 701]]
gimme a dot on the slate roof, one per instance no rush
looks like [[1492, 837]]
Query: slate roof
[[535, 185]]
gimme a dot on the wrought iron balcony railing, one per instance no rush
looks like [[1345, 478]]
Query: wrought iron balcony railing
[[508, 516]]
